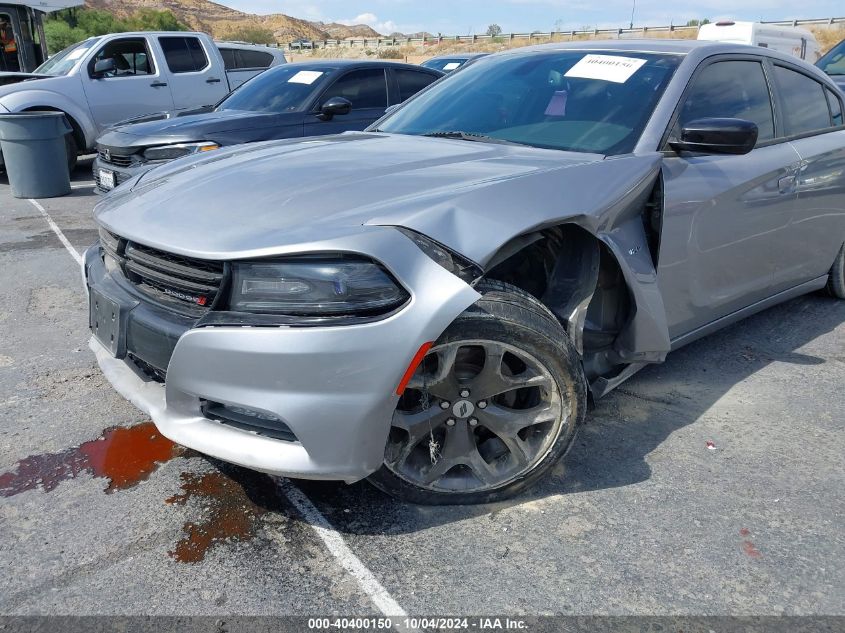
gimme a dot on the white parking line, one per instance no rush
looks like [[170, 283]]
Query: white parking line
[[70, 249], [319, 523], [340, 550]]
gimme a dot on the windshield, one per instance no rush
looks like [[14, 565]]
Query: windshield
[[278, 90], [445, 65], [834, 62], [63, 62], [596, 102]]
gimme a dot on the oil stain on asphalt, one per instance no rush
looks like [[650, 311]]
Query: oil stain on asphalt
[[234, 500], [123, 455], [234, 507]]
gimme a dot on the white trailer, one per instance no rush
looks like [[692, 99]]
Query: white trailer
[[791, 40]]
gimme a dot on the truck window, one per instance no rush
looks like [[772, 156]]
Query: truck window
[[228, 55], [131, 57], [253, 59], [9, 59], [183, 54]]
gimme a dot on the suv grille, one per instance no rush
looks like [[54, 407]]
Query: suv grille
[[115, 159], [191, 284]]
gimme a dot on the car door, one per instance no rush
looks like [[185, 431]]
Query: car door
[[724, 216], [365, 88], [136, 87], [194, 80], [812, 119]]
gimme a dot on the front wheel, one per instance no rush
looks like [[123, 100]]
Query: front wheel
[[836, 281], [494, 405]]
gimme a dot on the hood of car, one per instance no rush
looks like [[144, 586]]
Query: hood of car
[[7, 78], [268, 197], [193, 127]]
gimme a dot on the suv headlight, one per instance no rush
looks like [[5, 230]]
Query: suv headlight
[[314, 286], [172, 152]]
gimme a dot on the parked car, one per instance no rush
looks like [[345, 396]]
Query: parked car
[[791, 40], [448, 63], [108, 79], [243, 61], [428, 303], [833, 63], [23, 46], [294, 100]]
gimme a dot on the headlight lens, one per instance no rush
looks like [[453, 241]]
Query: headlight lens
[[172, 152], [455, 264], [314, 287]]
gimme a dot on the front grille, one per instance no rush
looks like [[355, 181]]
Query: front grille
[[188, 283], [117, 160]]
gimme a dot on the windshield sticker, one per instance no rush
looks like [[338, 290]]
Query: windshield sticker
[[74, 55], [452, 66], [606, 68], [557, 106], [307, 77]]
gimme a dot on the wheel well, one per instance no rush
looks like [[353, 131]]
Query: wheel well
[[78, 135], [578, 278]]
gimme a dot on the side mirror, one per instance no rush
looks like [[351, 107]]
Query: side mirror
[[717, 136], [335, 106], [103, 67]]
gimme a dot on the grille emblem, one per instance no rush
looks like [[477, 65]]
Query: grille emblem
[[107, 154]]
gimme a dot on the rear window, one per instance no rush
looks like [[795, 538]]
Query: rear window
[[253, 59], [229, 62], [183, 54], [806, 109], [411, 82]]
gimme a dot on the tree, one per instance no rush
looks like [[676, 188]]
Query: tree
[[698, 22], [60, 35], [152, 20], [494, 30], [251, 34]]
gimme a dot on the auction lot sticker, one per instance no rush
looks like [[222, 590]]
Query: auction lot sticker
[[606, 68], [307, 77]]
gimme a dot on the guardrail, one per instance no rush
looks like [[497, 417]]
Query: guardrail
[[380, 42]]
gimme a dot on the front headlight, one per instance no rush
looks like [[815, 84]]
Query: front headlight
[[314, 286], [179, 150]]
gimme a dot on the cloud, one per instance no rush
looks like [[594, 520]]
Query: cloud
[[371, 19]]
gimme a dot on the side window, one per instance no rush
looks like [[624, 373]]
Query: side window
[[734, 90], [364, 88], [130, 57], [228, 55], [804, 102], [183, 54], [411, 82], [835, 107], [254, 59]]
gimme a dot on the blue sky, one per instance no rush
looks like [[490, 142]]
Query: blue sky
[[462, 17]]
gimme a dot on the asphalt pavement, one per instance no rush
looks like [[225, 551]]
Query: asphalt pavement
[[711, 484]]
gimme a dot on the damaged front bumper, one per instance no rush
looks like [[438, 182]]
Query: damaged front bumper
[[333, 388]]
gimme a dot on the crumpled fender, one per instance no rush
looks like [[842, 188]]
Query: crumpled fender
[[605, 198]]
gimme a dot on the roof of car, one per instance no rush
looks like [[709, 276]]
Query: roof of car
[[460, 56], [349, 63], [678, 47]]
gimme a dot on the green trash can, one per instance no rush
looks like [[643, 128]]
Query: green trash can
[[35, 153]]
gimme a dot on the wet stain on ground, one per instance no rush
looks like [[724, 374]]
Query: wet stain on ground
[[123, 455], [748, 547], [233, 510]]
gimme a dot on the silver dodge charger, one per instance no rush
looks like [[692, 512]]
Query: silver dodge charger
[[430, 303]]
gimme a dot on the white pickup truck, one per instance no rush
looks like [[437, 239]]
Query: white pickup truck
[[112, 78]]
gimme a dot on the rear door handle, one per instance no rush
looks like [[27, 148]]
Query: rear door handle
[[212, 80], [159, 84], [787, 184]]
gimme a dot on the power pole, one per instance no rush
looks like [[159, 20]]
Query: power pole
[[633, 11]]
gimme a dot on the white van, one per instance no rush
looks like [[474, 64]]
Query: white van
[[785, 39]]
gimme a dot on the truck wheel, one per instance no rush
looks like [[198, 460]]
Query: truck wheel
[[836, 281], [72, 152], [494, 405]]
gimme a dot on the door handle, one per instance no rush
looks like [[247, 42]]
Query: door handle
[[212, 80], [159, 84], [787, 184]]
